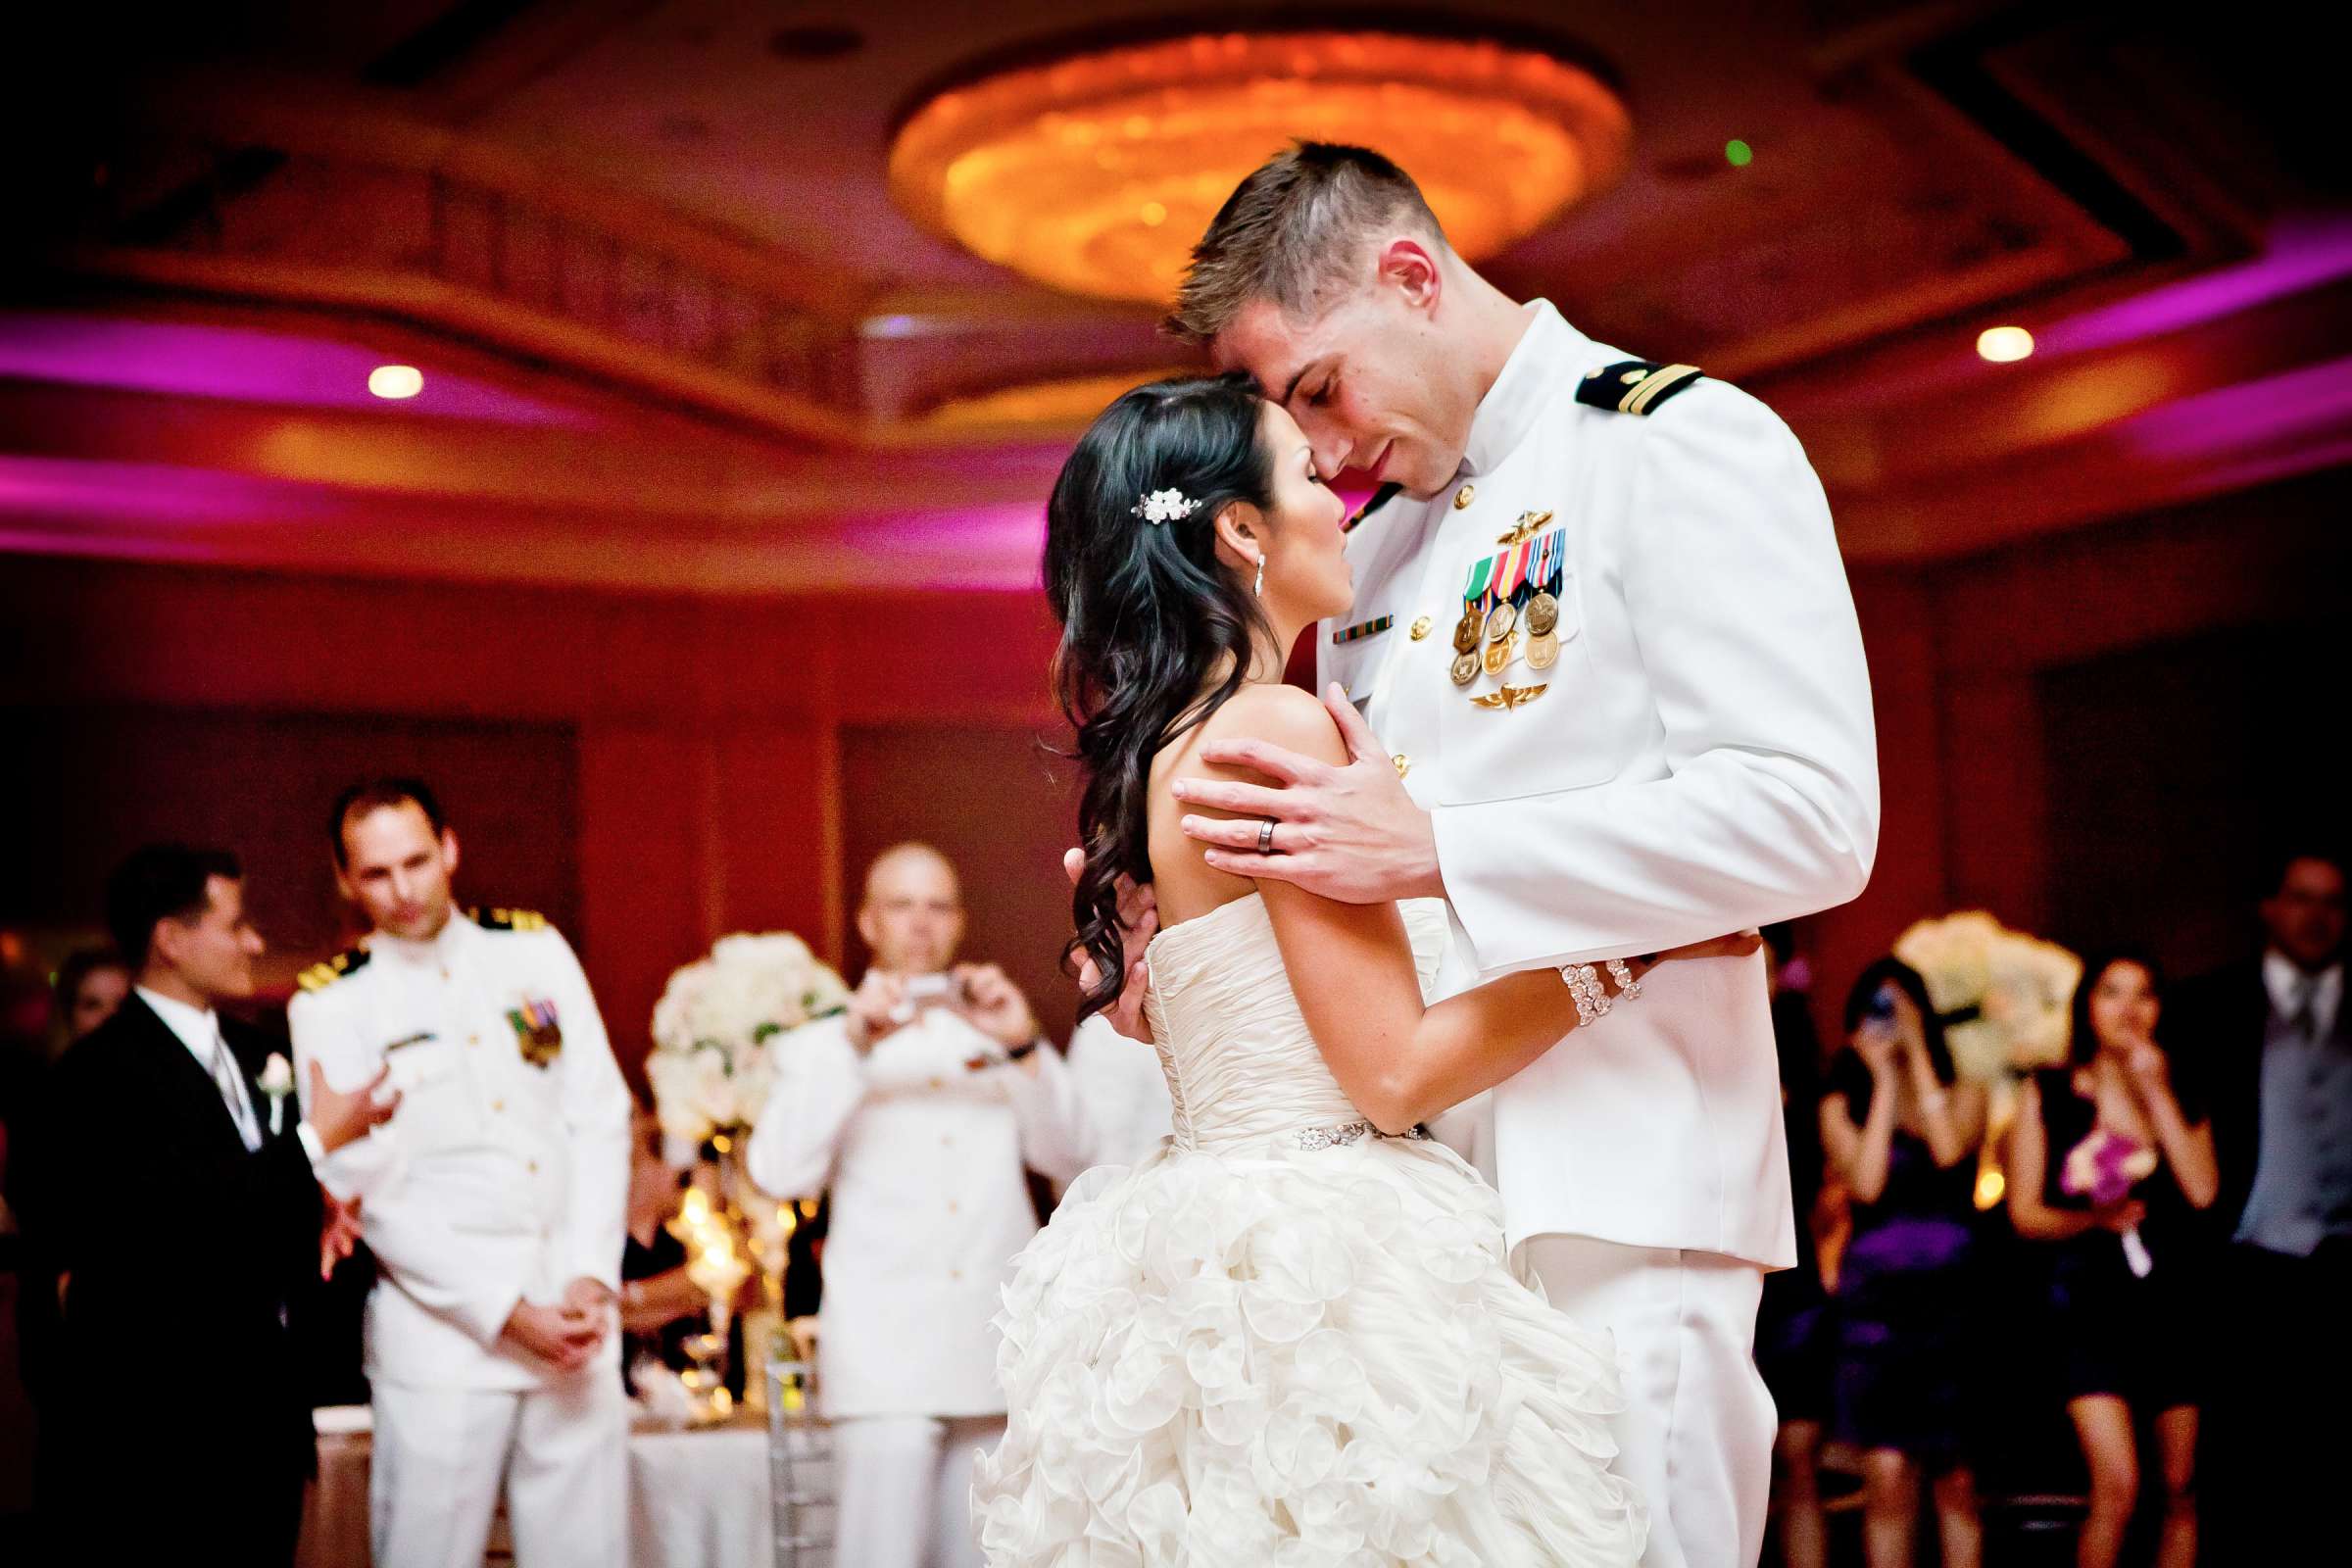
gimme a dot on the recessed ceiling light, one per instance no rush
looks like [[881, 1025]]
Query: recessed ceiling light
[[2004, 345], [396, 380]]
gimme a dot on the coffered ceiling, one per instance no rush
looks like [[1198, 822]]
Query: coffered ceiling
[[676, 332]]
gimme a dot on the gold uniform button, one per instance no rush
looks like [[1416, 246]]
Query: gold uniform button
[[938, 1083], [953, 1206], [1420, 628], [1404, 764], [498, 1105], [1464, 496], [473, 1040], [955, 1274], [534, 1167]]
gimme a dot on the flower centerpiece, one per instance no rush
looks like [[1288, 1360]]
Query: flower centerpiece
[[714, 1023], [711, 1068], [2004, 996]]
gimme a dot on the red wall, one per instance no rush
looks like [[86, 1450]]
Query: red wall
[[708, 738], [705, 733]]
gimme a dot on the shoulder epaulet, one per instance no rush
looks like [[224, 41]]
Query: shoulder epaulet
[[318, 976], [1635, 386], [508, 919], [1379, 499]]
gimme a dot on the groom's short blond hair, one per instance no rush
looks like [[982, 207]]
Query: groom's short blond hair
[[1294, 232]]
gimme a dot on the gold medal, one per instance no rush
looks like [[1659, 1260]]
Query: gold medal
[[1500, 654], [1543, 649], [1501, 622], [1466, 630], [1542, 614], [1466, 668]]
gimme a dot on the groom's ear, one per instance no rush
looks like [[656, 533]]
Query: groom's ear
[[1409, 267]]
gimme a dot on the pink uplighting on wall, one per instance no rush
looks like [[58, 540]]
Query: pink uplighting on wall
[[242, 365]]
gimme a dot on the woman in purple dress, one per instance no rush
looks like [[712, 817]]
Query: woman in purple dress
[[1900, 1133], [2111, 1161]]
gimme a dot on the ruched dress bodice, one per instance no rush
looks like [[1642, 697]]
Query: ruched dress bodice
[[1242, 1068]]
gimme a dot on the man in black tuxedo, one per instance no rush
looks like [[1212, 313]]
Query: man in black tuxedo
[[174, 1199], [2275, 1041]]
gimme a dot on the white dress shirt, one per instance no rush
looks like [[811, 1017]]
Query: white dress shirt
[[199, 1029]]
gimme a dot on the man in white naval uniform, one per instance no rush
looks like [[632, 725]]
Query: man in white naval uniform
[[1678, 745], [496, 1211], [919, 1106], [1123, 1109]]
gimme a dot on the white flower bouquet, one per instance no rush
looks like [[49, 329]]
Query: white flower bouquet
[[712, 1029], [2005, 995]]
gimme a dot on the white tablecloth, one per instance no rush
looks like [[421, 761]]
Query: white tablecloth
[[697, 1500]]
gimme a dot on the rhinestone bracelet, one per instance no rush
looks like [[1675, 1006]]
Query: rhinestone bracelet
[[1629, 989], [1583, 988]]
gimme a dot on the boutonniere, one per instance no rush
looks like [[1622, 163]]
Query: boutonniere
[[277, 1082]]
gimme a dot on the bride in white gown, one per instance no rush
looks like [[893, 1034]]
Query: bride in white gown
[[1292, 1335]]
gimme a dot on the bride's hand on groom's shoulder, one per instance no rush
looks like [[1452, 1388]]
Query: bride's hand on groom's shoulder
[[1138, 920]]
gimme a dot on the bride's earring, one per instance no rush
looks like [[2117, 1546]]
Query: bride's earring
[[1260, 588]]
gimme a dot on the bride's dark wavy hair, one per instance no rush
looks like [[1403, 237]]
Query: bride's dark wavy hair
[[1156, 634]]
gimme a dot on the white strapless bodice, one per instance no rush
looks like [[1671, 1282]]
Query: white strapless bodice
[[1280, 1337], [1242, 1066]]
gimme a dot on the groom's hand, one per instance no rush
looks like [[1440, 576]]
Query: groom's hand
[[1348, 833]]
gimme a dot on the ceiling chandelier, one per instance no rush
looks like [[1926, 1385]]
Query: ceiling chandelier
[[1097, 173]]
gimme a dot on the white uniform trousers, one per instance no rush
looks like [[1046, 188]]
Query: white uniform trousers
[[1697, 1434], [561, 1450], [904, 1485]]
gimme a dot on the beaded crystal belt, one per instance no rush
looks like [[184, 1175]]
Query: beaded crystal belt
[[1347, 1132]]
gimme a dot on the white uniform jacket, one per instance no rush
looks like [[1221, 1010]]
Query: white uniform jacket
[[503, 1175], [1700, 758], [923, 1156], [1124, 1112]]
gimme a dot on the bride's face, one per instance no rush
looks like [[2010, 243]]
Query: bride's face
[[1307, 571]]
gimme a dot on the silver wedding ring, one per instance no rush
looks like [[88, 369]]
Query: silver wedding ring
[[1265, 837]]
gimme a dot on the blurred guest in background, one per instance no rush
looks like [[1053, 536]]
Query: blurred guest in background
[[920, 1105], [2111, 1157], [90, 985], [496, 1208], [1123, 1109], [660, 1307], [172, 1198], [88, 989], [1899, 1132], [1793, 1327], [2277, 1043]]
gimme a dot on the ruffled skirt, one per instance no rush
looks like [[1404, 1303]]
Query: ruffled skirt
[[1295, 1358]]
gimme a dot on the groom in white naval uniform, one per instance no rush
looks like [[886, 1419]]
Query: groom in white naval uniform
[[920, 1105], [1612, 700]]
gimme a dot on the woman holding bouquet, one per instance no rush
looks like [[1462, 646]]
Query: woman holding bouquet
[[2111, 1160], [1899, 1131]]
